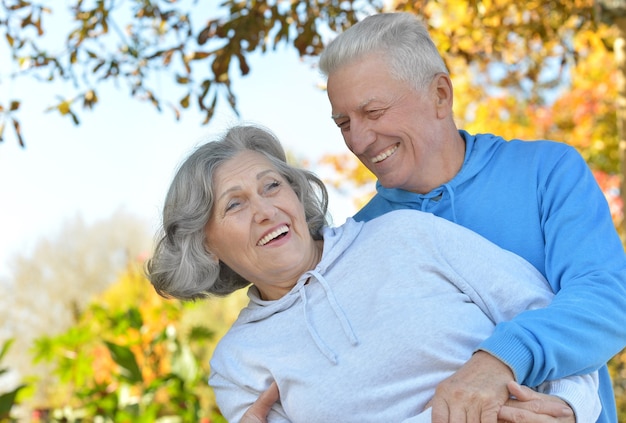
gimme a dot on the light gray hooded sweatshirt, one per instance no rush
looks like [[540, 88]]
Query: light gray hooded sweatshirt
[[395, 306]]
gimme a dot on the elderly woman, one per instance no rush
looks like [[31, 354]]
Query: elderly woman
[[357, 323]]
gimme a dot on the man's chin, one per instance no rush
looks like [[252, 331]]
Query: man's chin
[[388, 182]]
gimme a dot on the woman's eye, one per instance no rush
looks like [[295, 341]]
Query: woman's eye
[[272, 185], [231, 205]]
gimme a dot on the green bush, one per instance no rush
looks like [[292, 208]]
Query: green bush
[[8, 399]]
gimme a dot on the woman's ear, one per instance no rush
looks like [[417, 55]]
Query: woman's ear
[[211, 255]]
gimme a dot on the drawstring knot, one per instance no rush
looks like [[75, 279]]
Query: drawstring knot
[[436, 196]]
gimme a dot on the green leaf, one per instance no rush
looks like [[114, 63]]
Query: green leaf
[[44, 349], [201, 333], [133, 316], [5, 347], [8, 400], [125, 358]]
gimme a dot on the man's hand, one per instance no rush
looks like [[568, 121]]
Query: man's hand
[[532, 407], [257, 413], [474, 393]]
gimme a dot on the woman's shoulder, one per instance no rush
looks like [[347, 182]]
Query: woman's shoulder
[[407, 215], [397, 222]]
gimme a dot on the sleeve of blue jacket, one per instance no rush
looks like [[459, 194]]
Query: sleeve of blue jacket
[[586, 267]]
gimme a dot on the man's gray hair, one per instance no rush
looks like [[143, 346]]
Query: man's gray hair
[[401, 38]]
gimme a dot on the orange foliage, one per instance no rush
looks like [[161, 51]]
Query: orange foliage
[[103, 365], [156, 313], [610, 185]]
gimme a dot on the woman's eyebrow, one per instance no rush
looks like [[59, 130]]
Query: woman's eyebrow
[[264, 172], [259, 176], [229, 190]]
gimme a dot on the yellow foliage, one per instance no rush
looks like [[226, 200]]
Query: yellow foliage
[[348, 171]]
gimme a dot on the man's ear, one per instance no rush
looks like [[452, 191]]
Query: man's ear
[[444, 94]]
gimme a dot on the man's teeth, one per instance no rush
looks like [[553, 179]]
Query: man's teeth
[[382, 156], [267, 238]]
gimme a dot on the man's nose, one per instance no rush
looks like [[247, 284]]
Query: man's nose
[[359, 137]]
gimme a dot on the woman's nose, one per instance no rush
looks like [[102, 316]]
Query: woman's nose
[[263, 210]]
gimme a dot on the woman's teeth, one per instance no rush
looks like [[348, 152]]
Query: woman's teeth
[[267, 238]]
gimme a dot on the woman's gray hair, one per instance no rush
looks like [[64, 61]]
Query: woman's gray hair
[[181, 267], [401, 38]]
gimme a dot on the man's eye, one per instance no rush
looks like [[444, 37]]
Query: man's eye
[[375, 114], [344, 125]]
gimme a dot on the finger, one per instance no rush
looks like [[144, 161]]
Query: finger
[[472, 415], [479, 411], [488, 415], [457, 414], [522, 393], [257, 413], [440, 412], [268, 398], [515, 415], [549, 409], [537, 403]]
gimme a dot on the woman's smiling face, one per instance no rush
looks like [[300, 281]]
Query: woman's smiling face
[[258, 226]]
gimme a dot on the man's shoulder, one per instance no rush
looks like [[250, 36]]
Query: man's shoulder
[[541, 153], [517, 143], [538, 147]]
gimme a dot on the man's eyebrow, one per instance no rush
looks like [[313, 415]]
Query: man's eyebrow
[[361, 106]]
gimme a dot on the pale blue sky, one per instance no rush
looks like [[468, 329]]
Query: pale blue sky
[[123, 154]]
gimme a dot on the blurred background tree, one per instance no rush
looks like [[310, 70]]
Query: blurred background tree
[[134, 356], [52, 287]]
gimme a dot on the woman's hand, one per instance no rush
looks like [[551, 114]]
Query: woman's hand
[[532, 407], [257, 413]]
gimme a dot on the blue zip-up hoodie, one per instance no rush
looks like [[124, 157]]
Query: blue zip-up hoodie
[[539, 200]]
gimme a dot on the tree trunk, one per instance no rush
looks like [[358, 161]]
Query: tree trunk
[[620, 59]]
